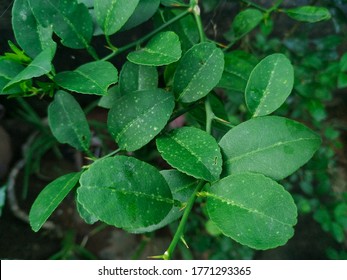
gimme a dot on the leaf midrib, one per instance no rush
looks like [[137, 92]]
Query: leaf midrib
[[266, 148]]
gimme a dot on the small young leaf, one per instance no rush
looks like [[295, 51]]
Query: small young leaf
[[139, 116], [269, 85], [192, 151], [50, 198], [113, 14], [70, 20], [182, 187], [143, 12], [32, 37], [309, 13], [91, 78], [39, 66], [198, 72], [8, 70], [163, 49], [125, 192], [135, 77], [238, 67], [253, 210], [243, 23], [68, 122], [273, 146]]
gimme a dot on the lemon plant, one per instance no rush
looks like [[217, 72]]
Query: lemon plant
[[170, 71]]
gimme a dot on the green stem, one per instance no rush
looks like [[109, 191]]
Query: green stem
[[209, 115], [184, 110], [148, 36], [223, 122], [92, 52], [196, 12], [180, 230]]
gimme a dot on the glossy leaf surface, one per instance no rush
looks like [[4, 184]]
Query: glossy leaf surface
[[309, 13], [68, 121], [125, 192], [269, 85], [273, 146], [8, 70], [50, 198], [253, 210], [198, 72], [70, 20], [182, 187], [135, 77], [192, 151], [30, 35], [90, 78], [113, 14], [139, 116], [163, 49]]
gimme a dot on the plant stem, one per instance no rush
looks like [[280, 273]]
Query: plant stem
[[254, 5], [92, 52], [209, 115], [184, 110], [148, 36], [180, 230], [196, 12]]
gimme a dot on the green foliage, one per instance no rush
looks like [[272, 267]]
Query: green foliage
[[175, 73]]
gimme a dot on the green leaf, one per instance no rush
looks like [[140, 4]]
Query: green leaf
[[173, 3], [85, 215], [182, 187], [125, 192], [309, 13], [269, 85], [109, 100], [39, 66], [238, 67], [192, 151], [8, 70], [68, 121], [273, 146], [253, 210], [143, 12], [90, 78], [70, 20], [243, 23], [135, 77], [198, 72], [342, 80], [32, 37], [113, 14], [50, 198], [139, 116], [163, 49]]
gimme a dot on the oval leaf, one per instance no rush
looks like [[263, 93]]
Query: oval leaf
[[192, 151], [273, 146], [40, 66], [237, 69], [253, 210], [68, 122], [8, 70], [113, 14], [32, 37], [269, 85], [309, 13], [143, 12], [138, 117], [198, 72], [70, 20], [125, 192], [163, 49], [243, 23], [90, 78], [135, 77], [50, 198], [182, 187]]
